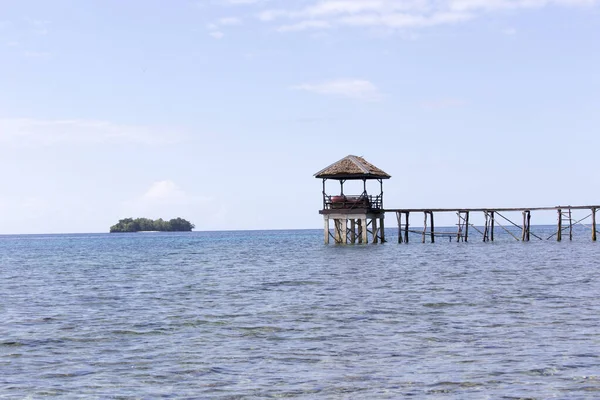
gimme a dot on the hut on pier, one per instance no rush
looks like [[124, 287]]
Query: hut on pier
[[357, 218]]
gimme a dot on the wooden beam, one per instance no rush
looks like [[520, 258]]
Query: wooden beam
[[326, 230], [364, 231]]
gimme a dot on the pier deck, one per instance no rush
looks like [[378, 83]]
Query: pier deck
[[493, 217]]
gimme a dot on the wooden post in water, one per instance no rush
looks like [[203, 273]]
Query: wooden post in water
[[524, 231], [399, 218], [344, 229], [364, 232], [570, 225], [593, 224], [559, 230], [432, 227], [424, 226], [382, 229], [407, 215], [528, 225], [467, 227], [492, 223], [374, 228], [326, 231], [353, 231], [485, 228]]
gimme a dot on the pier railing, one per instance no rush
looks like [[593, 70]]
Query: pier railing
[[350, 202]]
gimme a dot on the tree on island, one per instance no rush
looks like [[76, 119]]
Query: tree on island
[[146, 224]]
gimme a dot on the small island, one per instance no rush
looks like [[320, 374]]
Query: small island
[[148, 225]]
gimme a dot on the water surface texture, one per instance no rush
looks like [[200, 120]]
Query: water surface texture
[[277, 314]]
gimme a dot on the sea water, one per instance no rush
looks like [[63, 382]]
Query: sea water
[[274, 314]]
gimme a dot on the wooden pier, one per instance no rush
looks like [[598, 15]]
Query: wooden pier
[[359, 218], [494, 218]]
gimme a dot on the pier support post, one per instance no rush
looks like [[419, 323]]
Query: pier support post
[[593, 224], [353, 231], [326, 232], [374, 228], [528, 225], [424, 226], [432, 227], [467, 227], [344, 229], [407, 215], [364, 231], [492, 224], [399, 218], [382, 229], [486, 227], [559, 229]]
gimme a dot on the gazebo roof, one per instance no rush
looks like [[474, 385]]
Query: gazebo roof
[[352, 167]]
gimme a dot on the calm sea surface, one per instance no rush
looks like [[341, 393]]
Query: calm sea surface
[[232, 315]]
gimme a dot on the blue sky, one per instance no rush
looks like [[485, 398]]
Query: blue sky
[[220, 111]]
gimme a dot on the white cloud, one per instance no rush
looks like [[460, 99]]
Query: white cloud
[[31, 132], [228, 21], [217, 34], [350, 88], [394, 14], [164, 199]]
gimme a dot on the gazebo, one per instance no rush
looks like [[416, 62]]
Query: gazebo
[[362, 210]]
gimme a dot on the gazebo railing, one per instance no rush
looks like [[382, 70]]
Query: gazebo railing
[[349, 202]]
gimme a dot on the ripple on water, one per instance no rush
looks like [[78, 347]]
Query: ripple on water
[[277, 314]]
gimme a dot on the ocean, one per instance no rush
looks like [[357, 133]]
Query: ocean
[[277, 314]]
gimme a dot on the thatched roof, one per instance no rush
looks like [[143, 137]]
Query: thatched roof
[[352, 167]]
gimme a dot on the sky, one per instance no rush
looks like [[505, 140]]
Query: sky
[[221, 111]]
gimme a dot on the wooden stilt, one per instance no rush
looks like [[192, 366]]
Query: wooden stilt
[[524, 230], [432, 227], [382, 229], [570, 225], [528, 225], [492, 223], [459, 233], [407, 215], [424, 226], [353, 231], [326, 232], [559, 229], [399, 218], [375, 233], [486, 228], [344, 229], [593, 224], [467, 227], [364, 231]]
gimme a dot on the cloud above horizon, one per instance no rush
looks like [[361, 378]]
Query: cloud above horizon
[[289, 16], [33, 132]]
